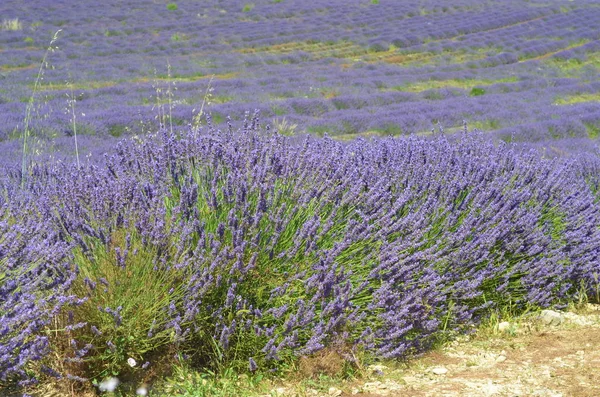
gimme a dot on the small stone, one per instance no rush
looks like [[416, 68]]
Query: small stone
[[439, 370], [500, 359], [109, 384], [354, 391], [142, 391], [550, 317], [371, 386], [334, 392], [280, 391], [504, 326]]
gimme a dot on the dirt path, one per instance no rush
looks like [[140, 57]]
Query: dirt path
[[556, 355], [553, 354]]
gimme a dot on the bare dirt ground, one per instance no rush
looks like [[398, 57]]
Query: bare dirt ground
[[550, 354]]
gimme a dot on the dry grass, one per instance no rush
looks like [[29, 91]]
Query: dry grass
[[11, 24], [326, 362]]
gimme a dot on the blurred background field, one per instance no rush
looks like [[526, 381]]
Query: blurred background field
[[521, 70]]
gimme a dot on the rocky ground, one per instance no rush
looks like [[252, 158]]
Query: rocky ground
[[551, 354]]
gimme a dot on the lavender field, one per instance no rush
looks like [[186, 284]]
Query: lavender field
[[237, 185]]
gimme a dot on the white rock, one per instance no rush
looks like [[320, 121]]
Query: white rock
[[550, 317], [334, 392], [131, 361], [500, 359], [491, 389], [142, 391], [109, 384], [504, 326], [371, 386], [439, 370]]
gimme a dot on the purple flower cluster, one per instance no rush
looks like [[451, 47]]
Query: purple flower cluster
[[35, 277], [286, 245]]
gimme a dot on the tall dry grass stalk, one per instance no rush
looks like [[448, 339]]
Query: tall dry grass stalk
[[30, 104], [11, 24], [72, 101]]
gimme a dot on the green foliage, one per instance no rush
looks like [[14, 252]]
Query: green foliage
[[320, 130], [172, 7], [374, 1], [593, 130], [248, 7], [117, 130], [578, 98], [28, 40], [553, 220], [127, 279], [186, 382], [391, 130], [36, 25], [477, 91], [111, 33], [486, 125], [277, 110]]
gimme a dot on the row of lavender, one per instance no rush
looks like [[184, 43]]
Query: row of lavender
[[248, 248], [342, 68]]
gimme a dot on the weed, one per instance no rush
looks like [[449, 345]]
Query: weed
[[162, 115], [172, 7], [284, 126], [593, 130], [27, 122], [248, 7], [206, 101], [71, 103], [477, 91], [11, 24]]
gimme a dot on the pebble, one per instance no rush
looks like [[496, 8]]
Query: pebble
[[550, 317], [371, 386], [500, 359], [439, 370], [142, 391], [504, 326], [334, 392]]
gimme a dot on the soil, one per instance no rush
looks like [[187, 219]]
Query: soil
[[558, 356]]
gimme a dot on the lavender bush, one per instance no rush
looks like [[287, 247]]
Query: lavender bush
[[246, 247]]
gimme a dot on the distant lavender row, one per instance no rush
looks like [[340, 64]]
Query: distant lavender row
[[271, 246], [344, 67]]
